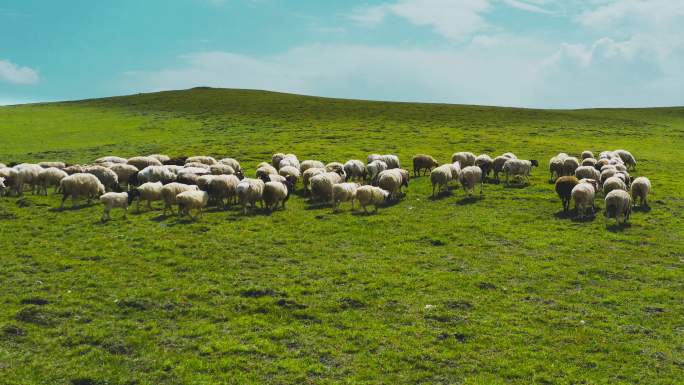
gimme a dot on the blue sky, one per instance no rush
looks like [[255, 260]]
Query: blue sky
[[530, 53]]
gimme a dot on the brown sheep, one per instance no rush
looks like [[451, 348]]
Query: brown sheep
[[564, 186], [423, 162]]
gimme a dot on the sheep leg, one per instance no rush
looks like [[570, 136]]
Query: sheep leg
[[125, 212]]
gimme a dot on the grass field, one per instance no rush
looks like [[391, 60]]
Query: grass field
[[498, 290]]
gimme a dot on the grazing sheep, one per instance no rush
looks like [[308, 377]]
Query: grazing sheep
[[265, 169], [606, 155], [485, 163], [232, 163], [80, 185], [291, 173], [149, 192], [112, 200], [463, 158], [586, 154], [276, 192], [355, 170], [373, 157], [640, 188], [607, 173], [588, 162], [587, 172], [564, 186], [204, 180], [601, 163], [618, 204], [308, 174], [196, 165], [273, 178], [471, 176], [223, 187], [171, 190], [124, 173], [392, 180], [509, 155], [613, 183], [289, 160], [106, 176], [190, 175], [374, 168], [221, 169], [423, 162], [206, 160], [344, 192], [276, 158], [27, 173], [176, 161], [583, 194], [192, 200], [392, 161], [627, 158], [497, 165], [321, 185], [50, 177], [140, 162], [334, 167], [249, 191], [161, 157], [371, 195], [570, 164], [110, 159], [59, 165], [519, 168], [440, 178], [9, 175], [307, 164], [74, 169], [2, 186]]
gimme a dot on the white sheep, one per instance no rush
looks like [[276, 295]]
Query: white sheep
[[613, 183], [140, 162], [519, 168], [289, 160], [440, 177], [124, 172], [589, 162], [276, 158], [75, 169], [355, 169], [627, 158], [275, 193], [556, 165], [640, 188], [160, 157], [27, 173], [50, 177], [344, 192], [80, 185], [197, 165], [392, 180], [586, 154], [9, 175], [587, 172], [570, 164], [374, 168], [321, 185], [307, 164], [204, 180], [497, 165], [464, 158], [171, 190], [583, 194], [291, 173], [250, 191], [106, 176], [334, 167], [223, 187], [221, 169], [618, 204], [59, 165], [485, 163], [192, 200], [207, 160], [232, 163], [392, 161], [371, 195], [308, 174], [112, 200], [265, 169], [148, 192], [469, 177], [111, 159]]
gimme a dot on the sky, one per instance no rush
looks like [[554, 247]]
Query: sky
[[524, 53]]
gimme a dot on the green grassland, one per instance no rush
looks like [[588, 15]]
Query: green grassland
[[498, 290]]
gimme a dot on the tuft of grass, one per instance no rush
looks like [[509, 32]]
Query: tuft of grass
[[500, 289]]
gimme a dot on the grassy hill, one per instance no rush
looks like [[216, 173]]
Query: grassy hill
[[498, 290]]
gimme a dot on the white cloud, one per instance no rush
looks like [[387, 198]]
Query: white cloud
[[12, 73], [530, 6]]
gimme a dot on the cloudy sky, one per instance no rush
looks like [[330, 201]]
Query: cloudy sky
[[530, 53]]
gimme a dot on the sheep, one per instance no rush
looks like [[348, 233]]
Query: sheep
[[497, 165], [232, 163], [276, 158], [106, 176], [344, 192], [110, 159], [221, 169], [463, 158], [509, 155], [27, 173], [607, 173], [190, 175], [587, 172], [618, 203], [519, 168], [392, 180], [469, 177], [371, 195], [564, 186], [9, 175], [207, 160], [160, 157], [59, 165], [80, 185], [74, 169], [171, 190], [334, 167], [308, 174], [321, 185], [2, 165], [290, 172], [423, 162], [613, 183], [606, 155], [586, 154], [392, 161], [265, 169], [2, 185], [192, 200], [273, 178], [50, 177], [276, 192], [570, 164], [588, 162], [307, 164], [289, 160], [196, 165], [440, 178], [249, 191], [223, 187], [484, 162], [640, 188], [140, 162], [556, 167], [149, 192], [112, 200], [600, 163], [204, 180], [176, 161], [627, 158], [355, 170], [175, 169], [125, 173], [583, 194], [374, 168]]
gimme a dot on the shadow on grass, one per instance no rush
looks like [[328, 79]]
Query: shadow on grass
[[71, 208], [469, 200], [641, 209], [516, 185], [441, 195], [618, 227]]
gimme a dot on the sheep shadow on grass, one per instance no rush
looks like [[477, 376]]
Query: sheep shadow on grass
[[617, 227], [469, 200], [516, 185], [641, 209], [441, 195]]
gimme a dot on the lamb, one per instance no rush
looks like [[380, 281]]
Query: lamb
[[334, 167], [371, 195], [355, 170], [463, 158], [587, 172], [321, 185], [171, 190], [192, 200], [485, 163], [344, 192], [289, 160], [564, 186], [586, 154], [570, 164], [106, 176], [140, 162], [125, 173], [208, 160], [111, 159], [469, 177], [112, 200], [249, 191], [149, 192], [80, 185], [161, 157], [440, 178], [640, 188], [618, 204], [613, 183], [291, 173], [519, 168], [423, 162], [308, 174], [392, 180], [221, 169], [374, 168], [276, 192], [307, 164], [232, 163], [223, 187], [583, 194], [627, 158], [59, 165], [50, 177]]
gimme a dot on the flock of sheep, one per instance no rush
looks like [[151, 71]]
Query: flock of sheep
[[192, 183]]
